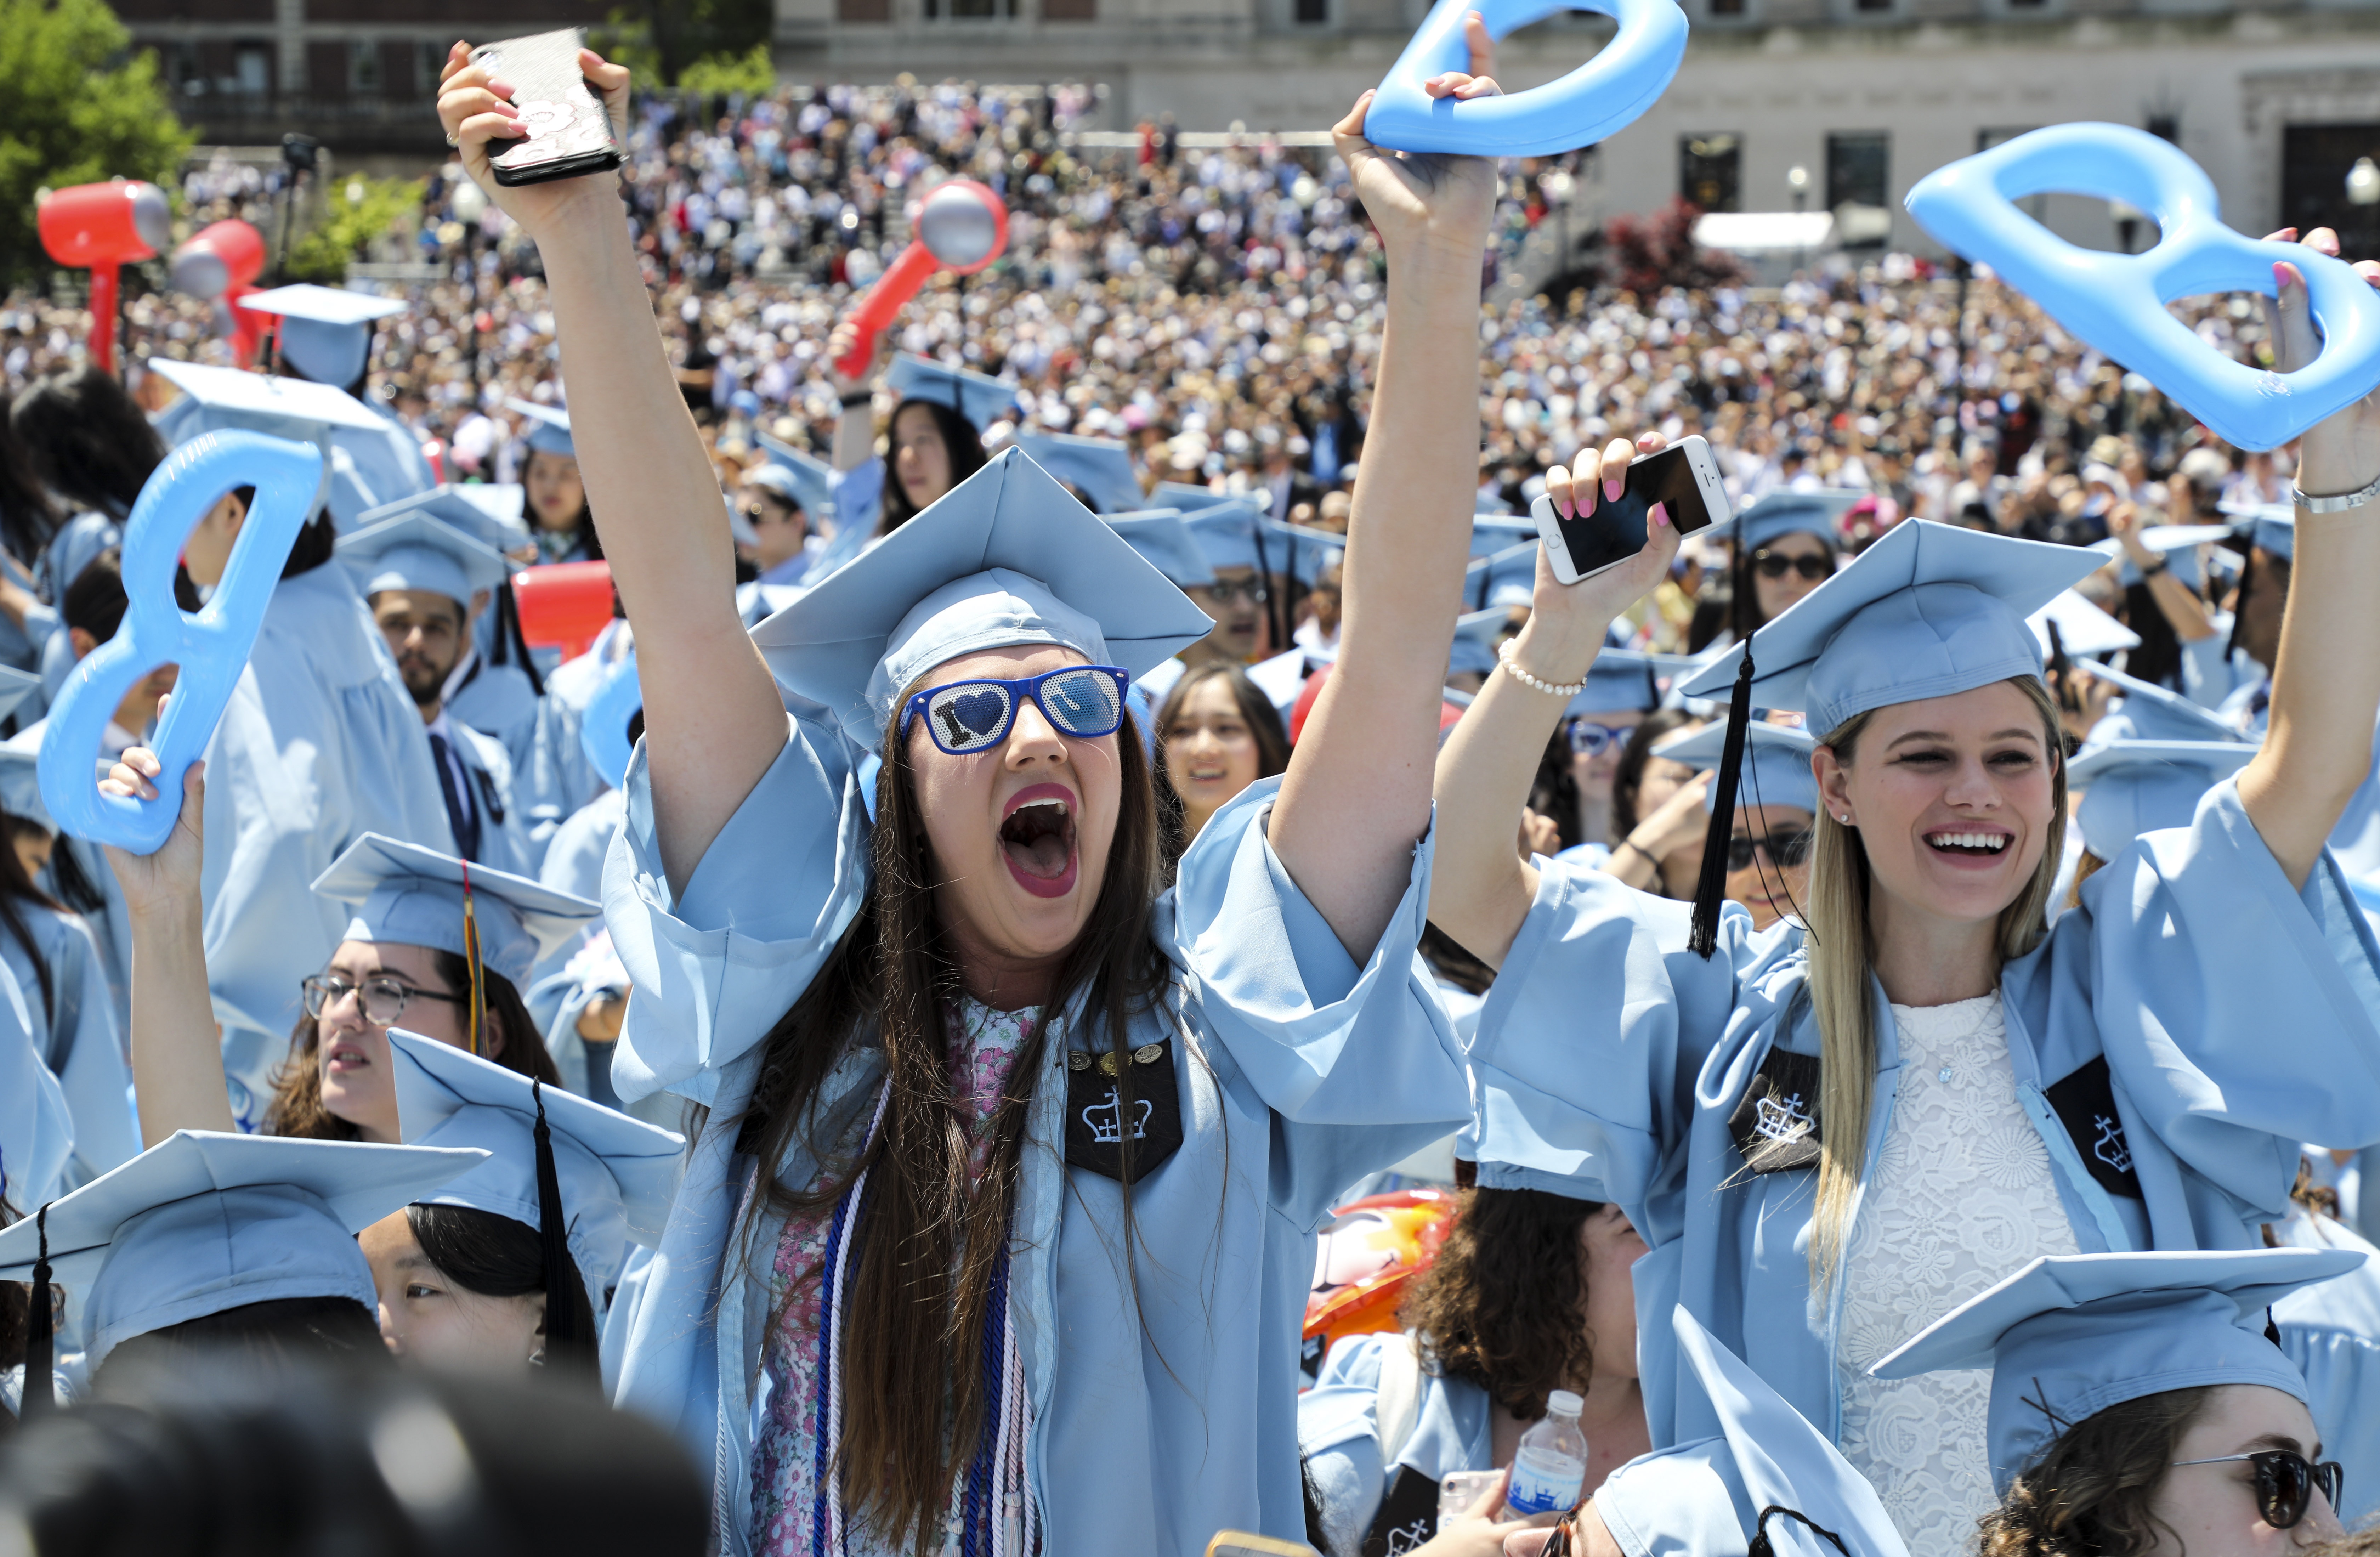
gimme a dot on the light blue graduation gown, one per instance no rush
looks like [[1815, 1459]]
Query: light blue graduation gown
[[70, 551], [36, 1125], [1610, 1058], [110, 923], [319, 745], [497, 700], [1164, 1410], [2332, 1332], [77, 1038], [1339, 1433], [560, 780]]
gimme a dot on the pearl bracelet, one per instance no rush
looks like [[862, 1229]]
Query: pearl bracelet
[[1511, 668]]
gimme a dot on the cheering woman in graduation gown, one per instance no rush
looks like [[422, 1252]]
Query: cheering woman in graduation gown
[[1829, 1138], [915, 1287]]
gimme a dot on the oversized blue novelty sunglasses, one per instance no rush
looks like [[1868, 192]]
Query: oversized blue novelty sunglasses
[[967, 717]]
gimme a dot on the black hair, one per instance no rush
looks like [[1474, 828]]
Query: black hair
[[959, 437], [497, 1256], [262, 1335], [582, 527], [89, 440], [27, 518], [17, 889]]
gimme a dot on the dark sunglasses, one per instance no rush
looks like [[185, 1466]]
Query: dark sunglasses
[[1762, 1547], [965, 717], [1783, 848], [1249, 590], [1589, 739], [1776, 564], [2285, 1482]]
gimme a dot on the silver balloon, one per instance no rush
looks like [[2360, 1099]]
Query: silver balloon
[[955, 226]]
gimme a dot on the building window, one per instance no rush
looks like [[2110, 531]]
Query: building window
[[1070, 10], [1857, 165], [363, 67], [1872, 6], [251, 69], [2166, 128], [2315, 160], [1727, 7], [1313, 13], [971, 10], [1710, 171]]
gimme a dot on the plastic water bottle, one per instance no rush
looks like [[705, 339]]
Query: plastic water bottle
[[1551, 1465]]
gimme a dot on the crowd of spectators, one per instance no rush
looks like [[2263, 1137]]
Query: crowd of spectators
[[1219, 307]]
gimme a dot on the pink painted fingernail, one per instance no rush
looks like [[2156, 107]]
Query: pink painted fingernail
[[1614, 485], [1660, 514]]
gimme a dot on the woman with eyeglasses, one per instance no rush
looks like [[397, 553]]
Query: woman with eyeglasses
[[2140, 1406], [1574, 788], [1829, 1132]]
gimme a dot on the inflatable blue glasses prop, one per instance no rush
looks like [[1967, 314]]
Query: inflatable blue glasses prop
[[2116, 301], [211, 648], [1592, 104]]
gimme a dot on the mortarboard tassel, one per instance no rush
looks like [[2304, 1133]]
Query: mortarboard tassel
[[2062, 668], [1702, 936], [478, 1006], [562, 1337], [40, 1397]]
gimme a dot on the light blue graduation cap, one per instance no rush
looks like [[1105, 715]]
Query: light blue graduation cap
[[1492, 533], [1782, 513], [2276, 530], [203, 1221], [615, 1175], [1101, 468], [977, 397], [1624, 681], [2177, 543], [2083, 627], [418, 550], [419, 897], [1475, 636], [2072, 1334], [224, 398], [1188, 496], [1164, 542], [810, 479], [16, 686], [1006, 557], [1775, 762], [1928, 610], [1769, 1473], [1301, 552], [1227, 533], [489, 515], [2136, 786], [1502, 577], [549, 430], [2149, 712], [603, 727], [325, 330]]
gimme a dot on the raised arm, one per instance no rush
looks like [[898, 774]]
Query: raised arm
[[711, 709], [2326, 687], [1479, 890], [177, 1073], [1356, 797]]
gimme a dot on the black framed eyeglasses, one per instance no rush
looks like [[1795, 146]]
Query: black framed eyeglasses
[[1777, 565], [384, 996], [1589, 739], [1228, 592], [2285, 1482], [1783, 848]]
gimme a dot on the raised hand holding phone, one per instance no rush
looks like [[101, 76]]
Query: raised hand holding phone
[[1568, 618], [477, 110]]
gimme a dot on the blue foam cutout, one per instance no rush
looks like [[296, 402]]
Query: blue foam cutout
[[1592, 104], [210, 646], [2116, 303]]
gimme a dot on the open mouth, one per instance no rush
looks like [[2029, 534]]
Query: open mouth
[[344, 1057], [1036, 839], [1970, 844]]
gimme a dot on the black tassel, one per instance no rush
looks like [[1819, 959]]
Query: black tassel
[[553, 1231], [2062, 668], [40, 1396], [1702, 937]]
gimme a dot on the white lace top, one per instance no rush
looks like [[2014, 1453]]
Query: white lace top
[[1961, 1195]]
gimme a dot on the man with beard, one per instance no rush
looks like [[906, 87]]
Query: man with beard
[[426, 581]]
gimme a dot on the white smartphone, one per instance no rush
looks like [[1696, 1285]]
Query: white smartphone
[[1682, 478]]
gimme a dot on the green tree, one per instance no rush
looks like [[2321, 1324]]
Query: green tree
[[74, 109], [357, 211], [665, 41]]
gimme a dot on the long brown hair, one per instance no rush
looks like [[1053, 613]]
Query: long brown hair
[[297, 1107], [1842, 954], [2089, 1495], [1257, 712], [914, 1408], [1503, 1305]]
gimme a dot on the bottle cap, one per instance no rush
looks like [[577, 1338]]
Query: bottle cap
[[1562, 1402]]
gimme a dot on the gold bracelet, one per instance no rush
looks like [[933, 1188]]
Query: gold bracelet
[[1510, 666]]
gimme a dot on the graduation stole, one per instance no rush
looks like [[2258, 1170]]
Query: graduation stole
[[997, 1518]]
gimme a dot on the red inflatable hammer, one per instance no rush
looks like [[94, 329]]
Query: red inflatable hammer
[[563, 604], [961, 228], [101, 228]]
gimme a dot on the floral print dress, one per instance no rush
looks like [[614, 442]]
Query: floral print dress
[[984, 1045]]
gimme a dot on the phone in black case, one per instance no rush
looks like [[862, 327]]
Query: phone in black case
[[570, 133]]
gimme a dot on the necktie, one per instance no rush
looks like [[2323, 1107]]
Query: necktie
[[460, 814]]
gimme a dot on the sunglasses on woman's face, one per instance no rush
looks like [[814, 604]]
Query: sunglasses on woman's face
[[967, 717], [1590, 739], [2285, 1482], [1777, 565], [1783, 848]]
